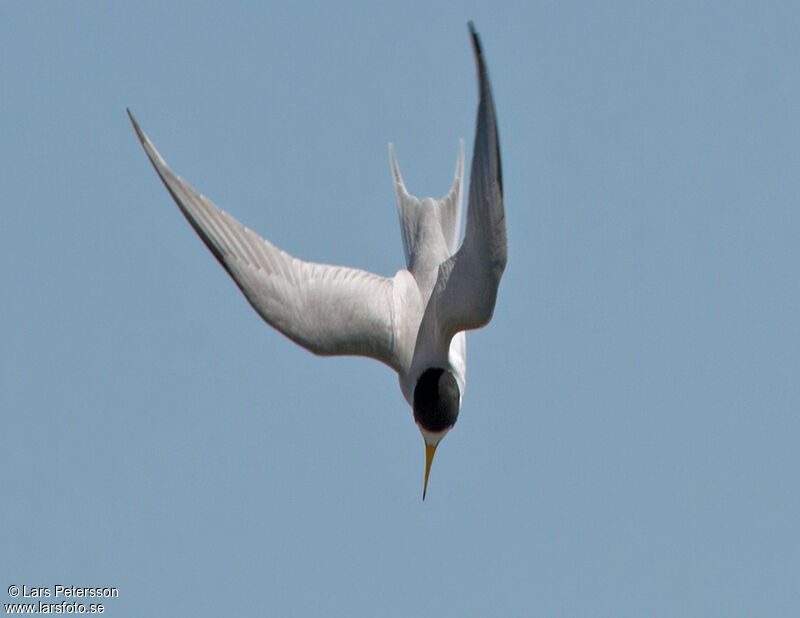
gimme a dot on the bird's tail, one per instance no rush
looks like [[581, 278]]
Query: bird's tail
[[448, 209]]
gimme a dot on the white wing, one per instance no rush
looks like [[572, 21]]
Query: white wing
[[326, 309], [466, 287]]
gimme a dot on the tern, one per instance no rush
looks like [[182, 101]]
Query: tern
[[414, 322]]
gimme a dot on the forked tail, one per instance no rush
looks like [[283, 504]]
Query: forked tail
[[448, 209]]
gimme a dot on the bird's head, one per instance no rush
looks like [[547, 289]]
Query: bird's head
[[436, 402]]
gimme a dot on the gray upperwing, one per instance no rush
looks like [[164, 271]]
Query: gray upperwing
[[466, 288], [329, 310]]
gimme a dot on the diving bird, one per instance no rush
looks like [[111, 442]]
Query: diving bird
[[414, 322]]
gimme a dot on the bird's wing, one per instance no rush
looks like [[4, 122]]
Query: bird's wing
[[329, 310], [466, 287]]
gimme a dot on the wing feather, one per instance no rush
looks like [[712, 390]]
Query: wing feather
[[329, 310], [466, 288]]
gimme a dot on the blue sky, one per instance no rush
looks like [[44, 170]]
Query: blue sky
[[628, 440]]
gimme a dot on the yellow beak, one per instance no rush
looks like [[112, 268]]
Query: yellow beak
[[429, 451]]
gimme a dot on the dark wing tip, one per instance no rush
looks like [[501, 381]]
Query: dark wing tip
[[476, 41], [136, 127], [486, 94]]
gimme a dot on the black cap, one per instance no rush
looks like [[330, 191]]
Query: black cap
[[436, 399]]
